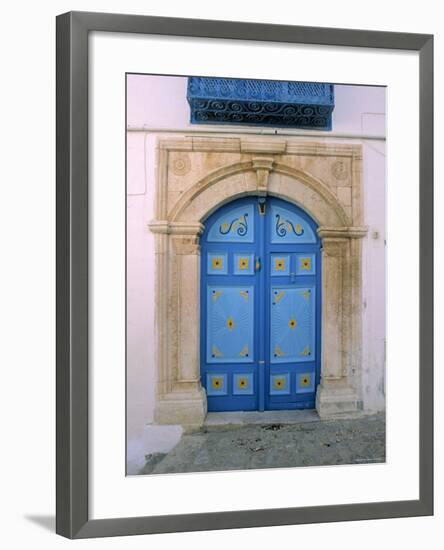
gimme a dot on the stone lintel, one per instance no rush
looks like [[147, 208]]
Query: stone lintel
[[270, 146], [225, 145], [179, 144], [320, 149]]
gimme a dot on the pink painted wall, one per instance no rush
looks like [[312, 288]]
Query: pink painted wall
[[160, 102]]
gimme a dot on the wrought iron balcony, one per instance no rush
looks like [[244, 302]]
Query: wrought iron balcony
[[261, 103]]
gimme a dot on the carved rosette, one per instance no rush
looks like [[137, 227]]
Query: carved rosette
[[340, 170], [181, 165]]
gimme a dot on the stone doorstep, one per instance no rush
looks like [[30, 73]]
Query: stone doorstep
[[244, 418]]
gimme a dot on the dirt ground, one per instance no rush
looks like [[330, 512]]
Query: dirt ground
[[318, 443]]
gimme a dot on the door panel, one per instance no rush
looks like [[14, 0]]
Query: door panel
[[289, 227], [292, 324], [234, 225], [230, 324], [260, 307]]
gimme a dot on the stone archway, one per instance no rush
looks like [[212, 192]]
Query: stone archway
[[198, 175]]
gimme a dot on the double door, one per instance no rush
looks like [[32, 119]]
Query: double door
[[260, 307]]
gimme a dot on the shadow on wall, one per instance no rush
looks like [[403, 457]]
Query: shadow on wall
[[46, 522]]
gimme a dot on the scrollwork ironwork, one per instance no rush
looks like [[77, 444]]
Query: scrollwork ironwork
[[260, 102]]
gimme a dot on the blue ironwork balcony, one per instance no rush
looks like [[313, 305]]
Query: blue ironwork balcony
[[261, 103]]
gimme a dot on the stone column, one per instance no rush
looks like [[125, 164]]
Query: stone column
[[160, 299], [341, 310], [180, 397], [187, 251]]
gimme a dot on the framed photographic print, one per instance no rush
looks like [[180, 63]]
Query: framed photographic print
[[244, 275]]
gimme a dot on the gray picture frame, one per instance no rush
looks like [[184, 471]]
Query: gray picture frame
[[72, 516]]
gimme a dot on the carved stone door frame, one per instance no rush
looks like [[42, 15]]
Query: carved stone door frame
[[197, 175]]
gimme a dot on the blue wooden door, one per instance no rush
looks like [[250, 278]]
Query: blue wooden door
[[260, 307]]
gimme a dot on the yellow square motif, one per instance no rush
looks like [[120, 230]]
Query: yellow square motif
[[306, 264], [216, 383], [217, 263], [279, 264], [279, 383], [304, 381], [243, 263], [242, 383]]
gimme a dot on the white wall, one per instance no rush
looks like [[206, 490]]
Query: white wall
[[374, 275], [160, 102], [140, 287]]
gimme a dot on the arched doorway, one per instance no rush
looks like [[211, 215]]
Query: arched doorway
[[260, 306], [217, 172]]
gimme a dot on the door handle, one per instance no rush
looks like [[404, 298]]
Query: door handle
[[257, 264]]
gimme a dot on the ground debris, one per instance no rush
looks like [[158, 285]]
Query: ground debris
[[272, 427], [256, 449]]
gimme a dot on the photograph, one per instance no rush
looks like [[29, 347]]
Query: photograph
[[220, 258], [255, 274]]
